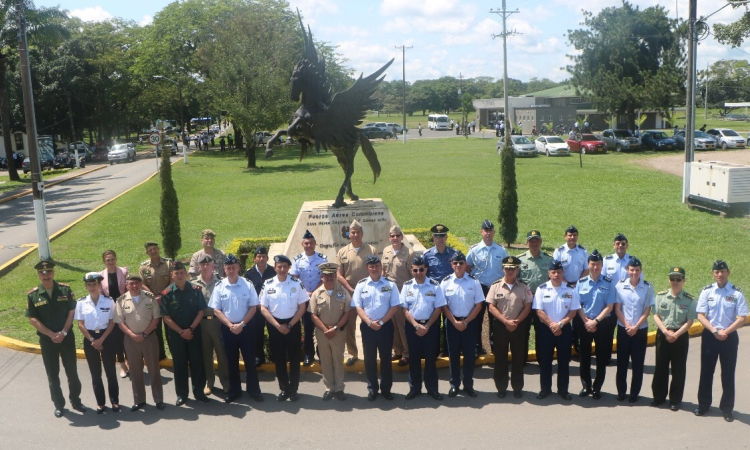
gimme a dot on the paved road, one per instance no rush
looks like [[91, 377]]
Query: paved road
[[458, 423], [67, 202]]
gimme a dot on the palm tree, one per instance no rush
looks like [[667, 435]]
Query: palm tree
[[44, 26]]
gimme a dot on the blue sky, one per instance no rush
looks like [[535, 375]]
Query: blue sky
[[449, 37]]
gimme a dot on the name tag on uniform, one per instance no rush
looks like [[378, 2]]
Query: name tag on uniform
[[385, 289], [149, 306], [499, 295], [271, 291], [410, 294], [567, 296], [339, 295], [64, 298], [42, 303], [294, 290], [731, 298], [683, 306], [430, 294]]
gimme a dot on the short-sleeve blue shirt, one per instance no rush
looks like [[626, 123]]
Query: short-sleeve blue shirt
[[486, 262], [422, 299], [634, 301], [375, 297], [722, 306], [439, 264], [595, 295]]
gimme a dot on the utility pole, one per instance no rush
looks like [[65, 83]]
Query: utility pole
[[705, 97], [403, 77], [505, 34], [37, 185], [690, 100], [73, 131]]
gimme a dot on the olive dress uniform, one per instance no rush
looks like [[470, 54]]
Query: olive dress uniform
[[211, 337], [218, 257], [52, 310], [351, 260], [396, 266], [182, 306], [329, 307], [533, 272], [156, 277]]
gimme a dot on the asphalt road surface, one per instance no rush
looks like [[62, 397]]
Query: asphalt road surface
[[455, 423]]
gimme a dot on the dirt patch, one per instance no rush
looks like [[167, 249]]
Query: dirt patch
[[674, 164]]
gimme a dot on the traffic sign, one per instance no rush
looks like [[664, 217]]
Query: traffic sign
[[154, 139]]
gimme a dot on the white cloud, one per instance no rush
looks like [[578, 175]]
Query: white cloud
[[147, 19], [92, 14]]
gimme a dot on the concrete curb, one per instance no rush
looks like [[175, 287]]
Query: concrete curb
[[54, 182]]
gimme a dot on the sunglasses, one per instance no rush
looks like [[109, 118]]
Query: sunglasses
[[458, 263], [419, 270], [675, 279], [395, 235]]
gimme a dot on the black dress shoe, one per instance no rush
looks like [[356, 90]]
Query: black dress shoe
[[387, 396], [137, 406], [160, 406], [340, 395], [327, 395], [293, 397], [180, 401], [656, 403], [501, 394], [729, 417], [101, 410], [351, 360], [452, 392], [258, 362], [79, 407], [371, 396], [565, 396], [700, 411], [202, 398], [231, 398], [436, 395], [633, 399], [258, 398], [585, 392], [59, 412], [115, 408], [403, 362], [596, 395], [412, 395], [542, 395], [674, 407], [517, 394], [470, 392], [283, 395], [308, 361], [620, 397]]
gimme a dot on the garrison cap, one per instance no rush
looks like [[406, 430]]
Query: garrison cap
[[92, 276], [571, 229], [230, 259], [634, 262], [178, 265], [511, 262], [281, 259], [208, 232], [308, 235], [418, 261], [206, 259], [596, 256], [677, 271], [555, 265], [439, 230], [150, 243], [45, 265], [487, 225], [372, 259], [720, 264], [395, 230], [355, 225], [328, 268], [134, 277], [458, 256], [620, 237], [533, 234], [260, 251]]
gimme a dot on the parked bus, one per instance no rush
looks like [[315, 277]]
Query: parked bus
[[438, 122]]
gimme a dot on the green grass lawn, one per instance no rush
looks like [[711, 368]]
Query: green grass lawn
[[7, 185], [451, 181]]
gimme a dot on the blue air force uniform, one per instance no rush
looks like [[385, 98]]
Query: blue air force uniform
[[305, 267], [439, 264], [573, 261], [631, 350], [595, 296], [486, 264]]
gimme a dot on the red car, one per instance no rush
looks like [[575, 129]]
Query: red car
[[590, 144]]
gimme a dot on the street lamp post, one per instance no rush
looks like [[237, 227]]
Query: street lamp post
[[182, 119]]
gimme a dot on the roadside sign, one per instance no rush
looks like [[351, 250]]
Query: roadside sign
[[154, 139]]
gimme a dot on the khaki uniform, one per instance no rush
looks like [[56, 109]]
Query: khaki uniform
[[137, 317], [354, 268], [330, 309], [211, 337], [218, 257], [156, 277], [397, 267]]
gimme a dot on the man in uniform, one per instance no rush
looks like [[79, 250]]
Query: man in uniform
[[438, 259], [463, 296], [329, 306], [352, 269], [211, 328], [396, 260], [283, 301], [422, 300], [596, 293], [616, 268], [484, 262], [50, 308], [257, 275], [509, 302], [376, 299], [208, 240], [156, 276], [235, 302], [674, 314], [305, 267], [182, 308], [556, 304], [533, 272], [721, 309], [572, 256], [137, 314]]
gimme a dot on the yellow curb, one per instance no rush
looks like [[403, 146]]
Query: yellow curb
[[54, 182]]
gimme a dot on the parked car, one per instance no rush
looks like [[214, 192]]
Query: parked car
[[522, 146], [167, 143], [121, 153], [3, 163], [100, 153], [702, 141], [376, 132], [262, 137], [67, 160], [399, 128], [552, 146], [80, 144], [620, 140], [726, 138], [381, 125], [46, 162], [657, 140], [590, 144]]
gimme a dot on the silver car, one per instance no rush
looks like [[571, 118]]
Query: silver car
[[522, 146], [120, 153], [726, 138]]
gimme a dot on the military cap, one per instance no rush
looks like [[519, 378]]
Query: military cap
[[458, 256], [150, 243], [511, 261], [395, 230], [596, 256], [355, 225], [230, 259], [487, 225], [677, 271], [372, 259], [261, 251], [418, 261], [178, 265], [308, 235], [720, 264], [439, 230], [92, 276], [45, 265], [206, 259], [134, 277], [555, 265], [571, 229], [634, 262], [533, 234], [328, 267], [281, 259], [208, 232], [620, 237]]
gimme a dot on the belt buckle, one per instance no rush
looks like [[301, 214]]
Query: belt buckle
[[209, 317], [97, 331]]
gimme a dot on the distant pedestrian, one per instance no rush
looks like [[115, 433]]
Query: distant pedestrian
[[473, 126], [420, 129], [230, 138], [533, 130], [497, 129], [703, 128], [676, 129], [212, 136], [221, 143]]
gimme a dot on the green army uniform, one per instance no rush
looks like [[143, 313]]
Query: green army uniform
[[182, 306], [156, 277], [533, 272], [52, 310]]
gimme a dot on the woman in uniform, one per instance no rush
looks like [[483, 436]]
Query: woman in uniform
[[94, 314], [113, 286]]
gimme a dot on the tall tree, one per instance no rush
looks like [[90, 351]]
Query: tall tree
[[169, 219], [628, 59], [507, 215], [736, 32]]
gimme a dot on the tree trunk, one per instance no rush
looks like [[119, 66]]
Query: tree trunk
[[5, 122], [631, 115], [238, 139]]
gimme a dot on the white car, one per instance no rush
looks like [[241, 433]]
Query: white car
[[726, 138], [552, 146], [522, 146], [121, 153]]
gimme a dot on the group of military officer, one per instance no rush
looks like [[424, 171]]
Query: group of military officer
[[402, 301]]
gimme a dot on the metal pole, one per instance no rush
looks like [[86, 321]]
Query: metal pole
[[37, 185], [73, 132], [505, 81], [690, 101], [705, 97]]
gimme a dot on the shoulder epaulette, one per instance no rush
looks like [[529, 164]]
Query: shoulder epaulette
[[708, 287], [609, 257], [147, 293], [389, 279], [168, 260], [581, 247], [545, 253], [647, 283], [562, 247], [322, 256], [410, 282], [446, 277], [435, 282], [145, 262], [362, 280], [33, 290], [737, 288], [607, 279], [571, 285], [688, 295], [83, 298], [67, 285], [543, 285], [471, 276], [196, 287], [298, 256], [500, 280], [167, 290], [294, 277], [662, 292], [474, 245]]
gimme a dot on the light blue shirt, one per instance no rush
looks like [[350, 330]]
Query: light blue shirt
[[486, 262], [375, 297], [233, 300], [461, 294], [634, 301], [595, 295], [574, 261], [556, 302], [282, 298], [722, 306], [421, 300], [616, 268], [306, 269]]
